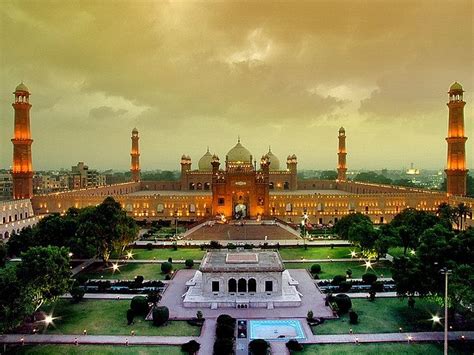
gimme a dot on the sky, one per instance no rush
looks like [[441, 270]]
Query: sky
[[189, 75]]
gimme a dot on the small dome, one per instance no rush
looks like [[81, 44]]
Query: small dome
[[22, 87], [274, 161], [342, 130], [135, 130], [204, 163], [239, 154], [455, 86]]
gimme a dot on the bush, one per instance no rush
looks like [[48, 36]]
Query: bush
[[369, 278], [225, 331], [191, 347], [189, 263], [170, 260], [259, 347], [130, 316], [315, 269], [77, 293], [248, 246], [353, 317], [223, 346], [175, 246], [343, 303], [377, 286], [168, 277], [309, 315], [81, 279], [139, 305], [160, 315], [226, 319], [199, 315], [349, 273], [149, 246], [153, 297], [336, 281], [166, 267], [294, 345], [231, 246], [345, 286], [214, 244]]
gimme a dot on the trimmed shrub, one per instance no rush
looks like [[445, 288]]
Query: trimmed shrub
[[294, 345], [336, 281], [259, 347], [315, 269], [166, 267], [369, 278], [345, 286], [149, 246], [309, 315], [153, 297], [170, 260], [168, 277], [349, 273], [139, 280], [199, 314], [223, 346], [175, 246], [77, 293], [353, 317], [214, 244], [377, 286], [81, 279], [130, 316], [248, 246], [139, 305], [160, 315], [343, 302], [189, 263], [231, 246], [226, 319], [191, 347], [225, 331]]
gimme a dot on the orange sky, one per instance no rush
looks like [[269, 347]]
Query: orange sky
[[194, 74]]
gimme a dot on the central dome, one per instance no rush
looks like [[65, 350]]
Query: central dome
[[205, 162], [274, 161], [239, 154]]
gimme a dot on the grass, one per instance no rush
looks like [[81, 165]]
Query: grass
[[96, 349], [376, 349], [330, 269], [398, 251], [108, 317], [129, 271], [316, 253], [384, 315], [164, 254]]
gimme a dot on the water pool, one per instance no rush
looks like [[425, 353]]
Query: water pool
[[278, 329]]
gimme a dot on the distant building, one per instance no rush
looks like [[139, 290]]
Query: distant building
[[6, 186], [82, 177]]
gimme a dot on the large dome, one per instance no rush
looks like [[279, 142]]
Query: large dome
[[205, 162], [274, 161], [239, 154]]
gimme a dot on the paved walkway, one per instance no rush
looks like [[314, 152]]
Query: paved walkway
[[326, 242], [207, 337]]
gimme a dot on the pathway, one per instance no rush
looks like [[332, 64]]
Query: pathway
[[207, 337], [296, 242]]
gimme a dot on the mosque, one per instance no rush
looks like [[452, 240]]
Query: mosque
[[241, 185]]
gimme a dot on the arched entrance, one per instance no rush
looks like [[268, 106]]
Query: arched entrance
[[240, 205]]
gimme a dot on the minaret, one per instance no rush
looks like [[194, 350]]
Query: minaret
[[135, 154], [456, 171], [22, 167], [341, 155]]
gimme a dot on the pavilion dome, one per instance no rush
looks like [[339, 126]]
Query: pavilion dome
[[22, 87], [134, 130], [274, 161], [204, 163], [455, 86], [239, 154]]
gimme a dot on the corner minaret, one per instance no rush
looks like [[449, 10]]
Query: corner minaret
[[135, 154], [341, 155], [22, 167], [456, 171]]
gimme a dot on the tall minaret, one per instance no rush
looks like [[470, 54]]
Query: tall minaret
[[456, 171], [341, 155], [135, 154], [22, 167]]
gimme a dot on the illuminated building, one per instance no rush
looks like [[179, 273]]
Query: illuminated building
[[135, 156], [341, 155]]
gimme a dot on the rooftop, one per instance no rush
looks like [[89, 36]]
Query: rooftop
[[309, 192], [235, 260]]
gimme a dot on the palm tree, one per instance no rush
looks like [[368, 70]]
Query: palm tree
[[447, 212], [462, 211]]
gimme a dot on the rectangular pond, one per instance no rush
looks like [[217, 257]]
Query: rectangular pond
[[276, 330]]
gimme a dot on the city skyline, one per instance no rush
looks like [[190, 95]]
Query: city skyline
[[193, 75]]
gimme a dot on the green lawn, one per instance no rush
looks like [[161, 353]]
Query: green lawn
[[164, 254], [375, 349], [384, 315], [398, 251], [316, 253], [108, 317], [129, 271], [332, 268], [96, 349]]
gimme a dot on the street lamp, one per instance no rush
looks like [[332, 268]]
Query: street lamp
[[303, 228], [176, 223], [445, 271]]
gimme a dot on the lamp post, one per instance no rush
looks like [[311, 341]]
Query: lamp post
[[303, 228], [445, 271]]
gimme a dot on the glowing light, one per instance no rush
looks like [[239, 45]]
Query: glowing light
[[115, 267], [436, 319], [48, 319], [412, 252], [129, 255], [70, 254], [368, 265], [353, 254]]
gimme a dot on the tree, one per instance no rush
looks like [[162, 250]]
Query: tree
[[315, 269], [45, 273], [160, 315], [363, 234], [15, 302], [408, 277], [343, 225], [191, 347], [189, 263], [259, 347], [461, 213], [139, 305], [77, 293], [294, 345], [223, 346], [328, 175], [166, 267], [3, 254], [153, 297], [369, 278], [130, 316], [343, 303]]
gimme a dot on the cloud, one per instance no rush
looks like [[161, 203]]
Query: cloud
[[106, 112]]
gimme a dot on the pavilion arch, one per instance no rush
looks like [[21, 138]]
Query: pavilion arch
[[242, 285], [252, 285], [232, 285]]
